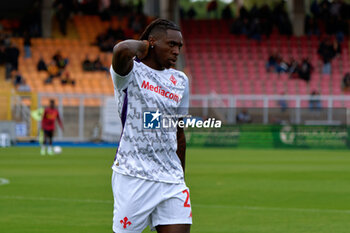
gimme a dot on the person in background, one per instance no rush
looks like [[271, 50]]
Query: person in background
[[305, 70], [191, 14], [244, 117], [11, 54], [53, 72], [226, 12], [87, 64], [66, 78], [17, 78], [315, 102], [27, 45], [282, 102], [345, 85], [41, 66], [212, 9], [23, 87], [327, 50], [61, 62], [48, 126]]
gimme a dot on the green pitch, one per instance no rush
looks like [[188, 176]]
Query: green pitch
[[232, 191]]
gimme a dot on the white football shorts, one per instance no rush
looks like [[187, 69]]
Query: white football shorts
[[139, 203]]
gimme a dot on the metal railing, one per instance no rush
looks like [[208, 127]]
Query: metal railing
[[80, 120]]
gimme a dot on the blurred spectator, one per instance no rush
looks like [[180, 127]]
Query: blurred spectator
[[59, 60], [88, 64], [327, 51], [282, 103], [281, 19], [62, 9], [103, 9], [310, 26], [99, 66], [254, 31], [191, 14], [139, 7], [330, 17], [253, 23], [276, 63], [305, 70], [66, 78], [282, 65], [244, 117], [182, 13], [272, 62], [53, 72], [23, 86], [345, 85], [27, 44], [12, 54], [212, 8], [315, 102], [106, 41], [266, 22], [226, 12], [2, 54], [240, 26], [89, 7], [138, 24], [41, 66], [293, 68], [315, 9], [17, 78], [105, 64]]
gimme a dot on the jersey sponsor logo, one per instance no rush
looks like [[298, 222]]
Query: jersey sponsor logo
[[160, 91], [125, 222], [173, 79], [151, 120]]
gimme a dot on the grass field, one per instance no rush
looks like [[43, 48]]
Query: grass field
[[255, 191]]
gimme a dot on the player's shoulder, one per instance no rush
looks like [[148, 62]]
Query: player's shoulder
[[178, 74], [139, 65]]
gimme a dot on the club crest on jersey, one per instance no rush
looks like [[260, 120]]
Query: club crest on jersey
[[125, 222], [173, 79], [151, 119]]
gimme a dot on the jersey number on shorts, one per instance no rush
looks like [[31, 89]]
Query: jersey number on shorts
[[188, 196]]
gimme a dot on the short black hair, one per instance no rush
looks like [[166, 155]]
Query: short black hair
[[159, 24]]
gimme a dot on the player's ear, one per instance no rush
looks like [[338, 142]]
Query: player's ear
[[152, 41]]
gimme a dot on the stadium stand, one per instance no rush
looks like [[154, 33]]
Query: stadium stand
[[218, 61], [88, 28], [223, 63]]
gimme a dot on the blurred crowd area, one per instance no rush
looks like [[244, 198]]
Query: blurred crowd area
[[77, 57]]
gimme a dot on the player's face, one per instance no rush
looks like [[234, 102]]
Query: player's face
[[168, 48]]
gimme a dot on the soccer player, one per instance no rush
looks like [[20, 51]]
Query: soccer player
[[48, 126], [148, 171]]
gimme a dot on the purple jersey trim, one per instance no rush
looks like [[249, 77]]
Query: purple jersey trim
[[123, 116], [125, 107]]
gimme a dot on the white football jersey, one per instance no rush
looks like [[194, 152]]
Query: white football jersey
[[146, 149]]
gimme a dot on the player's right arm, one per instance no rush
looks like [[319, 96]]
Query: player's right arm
[[125, 51]]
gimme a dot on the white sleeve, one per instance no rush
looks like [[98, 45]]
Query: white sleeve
[[120, 82], [185, 101]]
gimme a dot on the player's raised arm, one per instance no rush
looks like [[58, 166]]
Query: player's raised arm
[[125, 51]]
